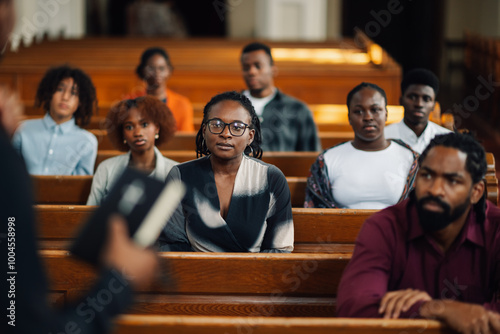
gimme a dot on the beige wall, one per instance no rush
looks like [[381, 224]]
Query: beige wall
[[334, 19], [36, 18], [480, 16], [242, 18]]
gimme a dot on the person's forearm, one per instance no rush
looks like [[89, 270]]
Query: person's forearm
[[443, 309], [434, 309]]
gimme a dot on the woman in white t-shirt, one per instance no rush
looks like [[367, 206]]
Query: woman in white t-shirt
[[369, 172]]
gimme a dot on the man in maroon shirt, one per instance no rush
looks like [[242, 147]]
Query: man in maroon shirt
[[435, 255]]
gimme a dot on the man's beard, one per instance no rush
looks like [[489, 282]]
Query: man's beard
[[432, 221]]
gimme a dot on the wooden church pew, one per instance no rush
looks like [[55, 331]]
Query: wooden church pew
[[187, 140], [290, 163], [112, 66], [75, 189], [62, 189], [328, 117], [316, 230], [235, 284], [155, 324], [181, 141]]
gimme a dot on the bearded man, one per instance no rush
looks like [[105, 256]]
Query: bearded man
[[435, 255]]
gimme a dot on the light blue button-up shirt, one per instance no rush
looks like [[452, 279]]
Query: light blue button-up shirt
[[49, 148]]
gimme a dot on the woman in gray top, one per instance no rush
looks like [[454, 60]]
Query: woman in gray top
[[136, 126]]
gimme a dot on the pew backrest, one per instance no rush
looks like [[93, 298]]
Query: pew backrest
[[187, 140], [316, 230], [74, 190], [155, 324], [295, 166], [221, 283]]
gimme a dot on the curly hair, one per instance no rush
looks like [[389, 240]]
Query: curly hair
[[87, 99], [475, 163], [148, 53], [420, 76], [151, 109], [201, 146]]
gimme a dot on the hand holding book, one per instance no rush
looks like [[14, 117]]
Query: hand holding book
[[139, 266], [146, 205]]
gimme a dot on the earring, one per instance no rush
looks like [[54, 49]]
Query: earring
[[157, 136], [251, 150], [124, 141]]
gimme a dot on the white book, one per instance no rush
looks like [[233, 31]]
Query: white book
[[145, 203]]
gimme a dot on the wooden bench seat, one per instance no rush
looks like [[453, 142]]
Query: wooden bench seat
[[112, 66], [295, 166], [290, 163], [180, 141], [328, 117], [230, 284], [316, 230], [273, 292], [155, 324], [61, 189], [187, 140], [75, 189], [317, 86]]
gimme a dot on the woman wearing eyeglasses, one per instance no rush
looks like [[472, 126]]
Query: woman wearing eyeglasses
[[234, 202], [136, 126]]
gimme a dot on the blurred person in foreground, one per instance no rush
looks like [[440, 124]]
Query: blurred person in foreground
[[27, 310]]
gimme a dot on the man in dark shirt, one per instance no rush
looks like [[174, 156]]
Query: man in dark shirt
[[287, 123], [436, 254]]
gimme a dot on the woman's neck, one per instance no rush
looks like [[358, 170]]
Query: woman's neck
[[225, 167], [376, 145], [145, 161], [158, 92]]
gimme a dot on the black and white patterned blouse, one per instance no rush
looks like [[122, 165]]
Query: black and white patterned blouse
[[259, 217]]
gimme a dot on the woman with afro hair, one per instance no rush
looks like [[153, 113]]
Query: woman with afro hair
[[56, 144], [136, 127]]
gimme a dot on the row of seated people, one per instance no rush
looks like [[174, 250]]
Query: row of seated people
[[214, 227], [274, 107], [387, 258], [159, 118], [407, 252], [286, 124], [130, 129], [229, 144], [453, 313], [447, 215], [450, 225]]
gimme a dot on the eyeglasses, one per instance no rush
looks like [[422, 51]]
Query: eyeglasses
[[217, 126], [152, 69]]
